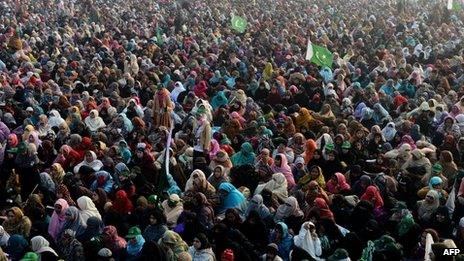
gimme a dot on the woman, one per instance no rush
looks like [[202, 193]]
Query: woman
[[256, 204], [57, 172], [282, 239], [281, 165], [221, 159], [62, 192], [58, 218], [290, 213], [372, 195], [74, 221], [322, 209], [87, 208], [174, 246], [112, 241], [338, 185], [134, 245], [68, 157], [122, 204], [230, 197], [94, 229], [277, 185], [94, 122], [156, 227], [308, 240], [17, 247], [450, 168], [70, 247], [90, 160], [218, 177], [245, 156], [204, 210], [42, 248], [201, 249], [198, 183], [4, 236], [427, 207], [315, 174], [17, 222], [172, 208], [35, 210]]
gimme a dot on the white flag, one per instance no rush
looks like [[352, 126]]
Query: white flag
[[450, 4], [309, 51]]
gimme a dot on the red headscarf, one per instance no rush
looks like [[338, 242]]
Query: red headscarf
[[311, 147], [340, 186], [323, 209], [372, 195], [122, 204]]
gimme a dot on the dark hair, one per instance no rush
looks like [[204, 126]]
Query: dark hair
[[203, 240]]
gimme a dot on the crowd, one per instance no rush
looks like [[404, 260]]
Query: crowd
[[152, 130]]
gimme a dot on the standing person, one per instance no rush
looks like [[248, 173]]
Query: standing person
[[162, 108], [202, 132]]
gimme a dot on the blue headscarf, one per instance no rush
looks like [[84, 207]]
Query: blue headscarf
[[233, 198], [219, 100], [173, 187], [107, 186], [16, 247], [245, 156], [435, 181], [327, 74], [134, 249], [286, 242]]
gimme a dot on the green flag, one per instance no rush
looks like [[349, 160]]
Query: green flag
[[319, 55], [239, 23], [159, 36]]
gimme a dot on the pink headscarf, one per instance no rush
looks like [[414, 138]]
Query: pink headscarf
[[340, 186], [214, 148], [285, 169], [57, 220]]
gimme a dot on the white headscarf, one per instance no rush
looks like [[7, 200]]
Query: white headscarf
[[87, 208], [178, 88], [389, 131], [305, 241], [95, 164], [54, 119], [94, 123], [4, 236], [39, 245]]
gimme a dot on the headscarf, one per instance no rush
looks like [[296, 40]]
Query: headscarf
[[172, 208], [323, 209], [372, 195], [4, 236], [233, 199], [54, 119], [219, 100], [307, 178], [174, 243], [389, 131], [285, 169], [58, 219], [63, 190], [113, 242], [426, 210], [178, 88], [245, 156], [14, 226], [286, 241], [289, 208], [305, 241], [87, 208], [340, 186], [94, 124], [278, 186], [310, 148], [95, 164], [16, 247], [134, 249], [39, 245], [76, 223], [122, 204], [256, 204]]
